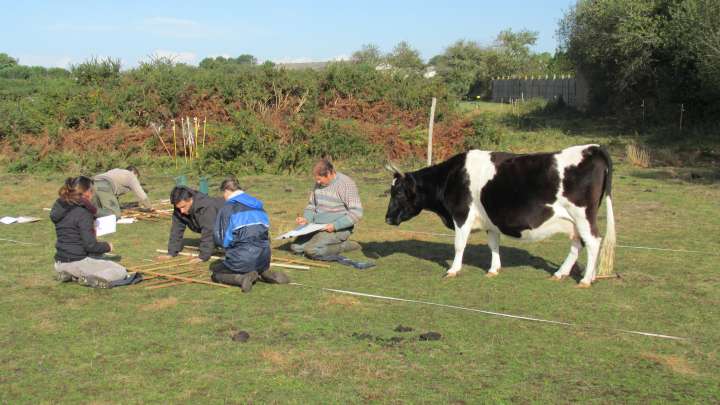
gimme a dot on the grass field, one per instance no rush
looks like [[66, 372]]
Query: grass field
[[66, 343]]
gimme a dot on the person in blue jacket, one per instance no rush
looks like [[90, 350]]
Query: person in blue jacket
[[242, 230]]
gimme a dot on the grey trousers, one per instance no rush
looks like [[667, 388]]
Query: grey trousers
[[320, 243], [104, 269]]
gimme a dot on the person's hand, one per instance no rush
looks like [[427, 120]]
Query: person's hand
[[301, 221], [329, 228], [111, 246], [164, 257]]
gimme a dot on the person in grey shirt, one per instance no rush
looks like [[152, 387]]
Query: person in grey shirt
[[114, 183]]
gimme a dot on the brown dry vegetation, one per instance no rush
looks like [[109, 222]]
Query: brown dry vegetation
[[381, 122]]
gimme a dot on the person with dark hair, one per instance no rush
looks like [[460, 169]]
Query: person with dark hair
[[109, 186], [334, 201], [77, 247], [196, 211], [242, 229]]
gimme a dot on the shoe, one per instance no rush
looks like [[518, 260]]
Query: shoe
[[274, 277], [247, 281], [64, 276], [93, 281], [349, 246]]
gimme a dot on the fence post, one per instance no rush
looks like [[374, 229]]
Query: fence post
[[682, 110], [430, 131]]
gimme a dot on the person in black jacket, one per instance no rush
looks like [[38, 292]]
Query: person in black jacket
[[196, 211], [74, 217]]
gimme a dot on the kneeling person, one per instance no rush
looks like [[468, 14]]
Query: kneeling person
[[77, 250], [242, 229]]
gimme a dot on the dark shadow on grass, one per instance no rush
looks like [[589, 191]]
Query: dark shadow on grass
[[695, 175], [443, 253]]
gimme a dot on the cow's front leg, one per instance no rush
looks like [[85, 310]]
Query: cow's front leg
[[462, 233], [494, 245]]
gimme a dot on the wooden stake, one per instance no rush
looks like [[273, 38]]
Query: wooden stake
[[174, 143], [430, 131], [204, 133]]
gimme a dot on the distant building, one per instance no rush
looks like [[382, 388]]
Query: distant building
[[303, 65], [430, 72]]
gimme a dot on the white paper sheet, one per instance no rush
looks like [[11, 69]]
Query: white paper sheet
[[302, 230], [19, 220], [105, 225]]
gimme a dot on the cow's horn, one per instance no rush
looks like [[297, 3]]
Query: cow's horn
[[391, 167]]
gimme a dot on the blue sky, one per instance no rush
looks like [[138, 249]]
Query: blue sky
[[59, 33]]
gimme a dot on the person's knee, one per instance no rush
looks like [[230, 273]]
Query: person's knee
[[297, 248], [314, 251]]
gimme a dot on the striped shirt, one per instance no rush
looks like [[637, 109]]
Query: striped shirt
[[338, 203]]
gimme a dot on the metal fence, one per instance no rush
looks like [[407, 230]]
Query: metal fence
[[573, 90]]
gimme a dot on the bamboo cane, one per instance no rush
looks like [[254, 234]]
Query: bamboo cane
[[168, 266], [286, 266], [311, 264], [181, 278], [153, 264], [173, 283], [182, 126], [204, 133], [197, 130], [174, 144], [156, 279]]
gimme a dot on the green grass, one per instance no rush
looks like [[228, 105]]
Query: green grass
[[66, 343], [70, 344]]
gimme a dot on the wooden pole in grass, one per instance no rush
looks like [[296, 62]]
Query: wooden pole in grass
[[204, 128], [197, 131], [174, 143], [430, 131]]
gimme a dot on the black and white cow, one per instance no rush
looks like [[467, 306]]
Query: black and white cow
[[528, 197]]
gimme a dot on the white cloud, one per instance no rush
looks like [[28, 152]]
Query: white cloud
[[189, 58]]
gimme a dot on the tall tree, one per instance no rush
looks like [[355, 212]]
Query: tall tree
[[404, 56], [369, 54]]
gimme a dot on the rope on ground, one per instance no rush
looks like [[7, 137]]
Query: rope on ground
[[17, 241], [499, 314]]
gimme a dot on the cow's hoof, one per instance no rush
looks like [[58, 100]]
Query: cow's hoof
[[450, 275], [557, 278], [583, 285], [492, 274]]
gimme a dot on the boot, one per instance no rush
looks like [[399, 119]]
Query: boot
[[274, 277], [93, 281], [64, 276], [244, 281], [247, 281], [349, 246]]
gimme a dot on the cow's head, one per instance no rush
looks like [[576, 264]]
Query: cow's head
[[404, 202]]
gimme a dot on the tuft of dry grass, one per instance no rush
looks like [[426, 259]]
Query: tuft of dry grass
[[638, 155], [341, 300], [162, 303], [675, 363]]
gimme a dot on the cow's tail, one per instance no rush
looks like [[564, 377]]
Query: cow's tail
[[607, 250]]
